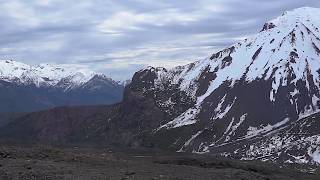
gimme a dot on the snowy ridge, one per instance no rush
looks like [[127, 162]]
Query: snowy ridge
[[45, 74], [285, 52]]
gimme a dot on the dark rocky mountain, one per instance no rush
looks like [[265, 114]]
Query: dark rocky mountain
[[258, 99], [61, 125], [25, 88]]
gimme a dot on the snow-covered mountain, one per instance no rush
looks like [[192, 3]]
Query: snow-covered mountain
[[254, 89], [44, 74], [45, 86]]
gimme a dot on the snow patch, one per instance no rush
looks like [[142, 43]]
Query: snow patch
[[189, 141], [254, 131], [316, 156], [187, 118]]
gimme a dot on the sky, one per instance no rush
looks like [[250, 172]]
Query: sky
[[119, 37]]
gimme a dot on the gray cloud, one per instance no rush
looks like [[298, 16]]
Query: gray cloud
[[120, 37]]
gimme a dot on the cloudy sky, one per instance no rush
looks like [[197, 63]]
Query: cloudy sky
[[118, 37]]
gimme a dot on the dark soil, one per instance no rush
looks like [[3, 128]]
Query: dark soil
[[33, 163]]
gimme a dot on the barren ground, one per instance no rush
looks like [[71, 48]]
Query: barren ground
[[47, 163]]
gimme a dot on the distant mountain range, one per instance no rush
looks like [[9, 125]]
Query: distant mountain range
[[256, 100], [25, 88]]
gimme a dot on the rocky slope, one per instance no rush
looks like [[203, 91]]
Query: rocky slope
[[46, 86]]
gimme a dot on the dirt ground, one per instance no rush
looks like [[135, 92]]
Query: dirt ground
[[47, 163]]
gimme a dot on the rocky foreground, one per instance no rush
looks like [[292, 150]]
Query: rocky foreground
[[86, 163]]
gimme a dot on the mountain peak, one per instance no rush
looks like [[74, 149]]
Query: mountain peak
[[290, 19], [302, 11], [11, 62], [44, 74], [300, 14]]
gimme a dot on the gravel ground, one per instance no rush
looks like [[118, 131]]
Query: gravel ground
[[47, 163]]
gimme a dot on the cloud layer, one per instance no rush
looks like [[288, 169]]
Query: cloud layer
[[119, 37]]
